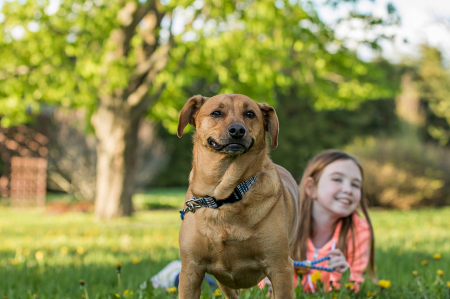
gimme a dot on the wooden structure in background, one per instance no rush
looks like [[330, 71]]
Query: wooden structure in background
[[28, 181], [23, 153]]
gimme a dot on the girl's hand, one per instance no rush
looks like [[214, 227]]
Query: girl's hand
[[337, 261]]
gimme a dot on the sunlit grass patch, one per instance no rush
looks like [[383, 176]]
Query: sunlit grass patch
[[48, 255], [160, 199]]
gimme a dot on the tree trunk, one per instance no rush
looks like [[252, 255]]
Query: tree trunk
[[117, 132], [116, 121]]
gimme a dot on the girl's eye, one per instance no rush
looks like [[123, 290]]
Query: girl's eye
[[337, 180], [356, 186], [216, 113], [249, 114]]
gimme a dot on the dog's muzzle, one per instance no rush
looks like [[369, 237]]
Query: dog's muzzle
[[231, 146]]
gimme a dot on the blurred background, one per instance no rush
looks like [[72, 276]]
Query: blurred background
[[90, 94], [94, 89]]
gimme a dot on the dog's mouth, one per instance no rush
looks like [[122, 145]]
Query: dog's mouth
[[234, 147]]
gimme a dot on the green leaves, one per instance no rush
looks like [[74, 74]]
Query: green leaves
[[345, 277], [433, 83], [79, 53]]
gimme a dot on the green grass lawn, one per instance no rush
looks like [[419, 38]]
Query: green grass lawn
[[46, 255]]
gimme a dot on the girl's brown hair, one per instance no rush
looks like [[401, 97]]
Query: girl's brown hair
[[314, 170]]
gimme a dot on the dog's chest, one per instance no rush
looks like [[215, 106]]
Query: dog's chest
[[223, 233], [236, 264], [235, 256]]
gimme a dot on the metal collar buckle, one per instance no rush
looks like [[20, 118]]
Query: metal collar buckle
[[191, 205]]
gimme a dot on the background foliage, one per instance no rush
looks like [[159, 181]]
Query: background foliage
[[278, 52], [60, 55], [97, 55]]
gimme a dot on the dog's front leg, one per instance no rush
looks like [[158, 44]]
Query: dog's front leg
[[282, 279], [228, 292], [191, 278]]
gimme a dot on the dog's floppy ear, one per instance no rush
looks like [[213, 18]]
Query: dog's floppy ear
[[187, 115], [270, 123]]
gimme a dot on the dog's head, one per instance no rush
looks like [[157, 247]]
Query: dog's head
[[229, 124]]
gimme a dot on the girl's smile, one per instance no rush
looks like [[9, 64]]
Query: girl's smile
[[344, 201]]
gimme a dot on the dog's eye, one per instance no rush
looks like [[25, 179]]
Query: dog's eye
[[249, 114], [216, 113]]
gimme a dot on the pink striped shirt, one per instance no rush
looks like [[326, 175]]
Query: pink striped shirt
[[357, 261]]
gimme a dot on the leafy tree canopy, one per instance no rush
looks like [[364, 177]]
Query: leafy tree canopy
[[66, 53]]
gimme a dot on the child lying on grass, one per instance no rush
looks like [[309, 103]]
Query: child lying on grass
[[331, 194]]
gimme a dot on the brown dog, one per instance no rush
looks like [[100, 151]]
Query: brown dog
[[239, 243]]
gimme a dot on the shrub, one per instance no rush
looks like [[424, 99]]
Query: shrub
[[403, 172]]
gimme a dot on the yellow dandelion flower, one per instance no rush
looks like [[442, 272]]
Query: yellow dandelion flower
[[131, 292], [118, 267], [81, 282], [64, 250], [172, 290], [136, 260], [424, 263], [117, 295], [370, 294], [14, 262], [80, 250], [440, 272], [83, 296], [415, 273], [448, 284], [26, 252], [348, 285], [385, 284], [35, 296], [126, 292], [437, 256], [335, 295], [217, 292], [299, 272], [39, 255], [316, 276]]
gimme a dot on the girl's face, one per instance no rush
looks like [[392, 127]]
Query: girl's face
[[339, 188]]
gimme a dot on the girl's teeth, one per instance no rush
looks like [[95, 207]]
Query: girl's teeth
[[346, 201]]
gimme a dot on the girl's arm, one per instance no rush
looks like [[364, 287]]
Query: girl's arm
[[358, 256]]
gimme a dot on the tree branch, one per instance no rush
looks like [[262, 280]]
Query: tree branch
[[159, 61], [130, 16], [147, 100], [148, 69]]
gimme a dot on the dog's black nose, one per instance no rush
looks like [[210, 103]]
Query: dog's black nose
[[236, 131]]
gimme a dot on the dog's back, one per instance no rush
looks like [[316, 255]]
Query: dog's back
[[292, 200]]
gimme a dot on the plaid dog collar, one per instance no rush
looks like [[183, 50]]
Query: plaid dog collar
[[211, 202]]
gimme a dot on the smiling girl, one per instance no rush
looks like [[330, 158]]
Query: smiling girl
[[331, 196], [332, 199]]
